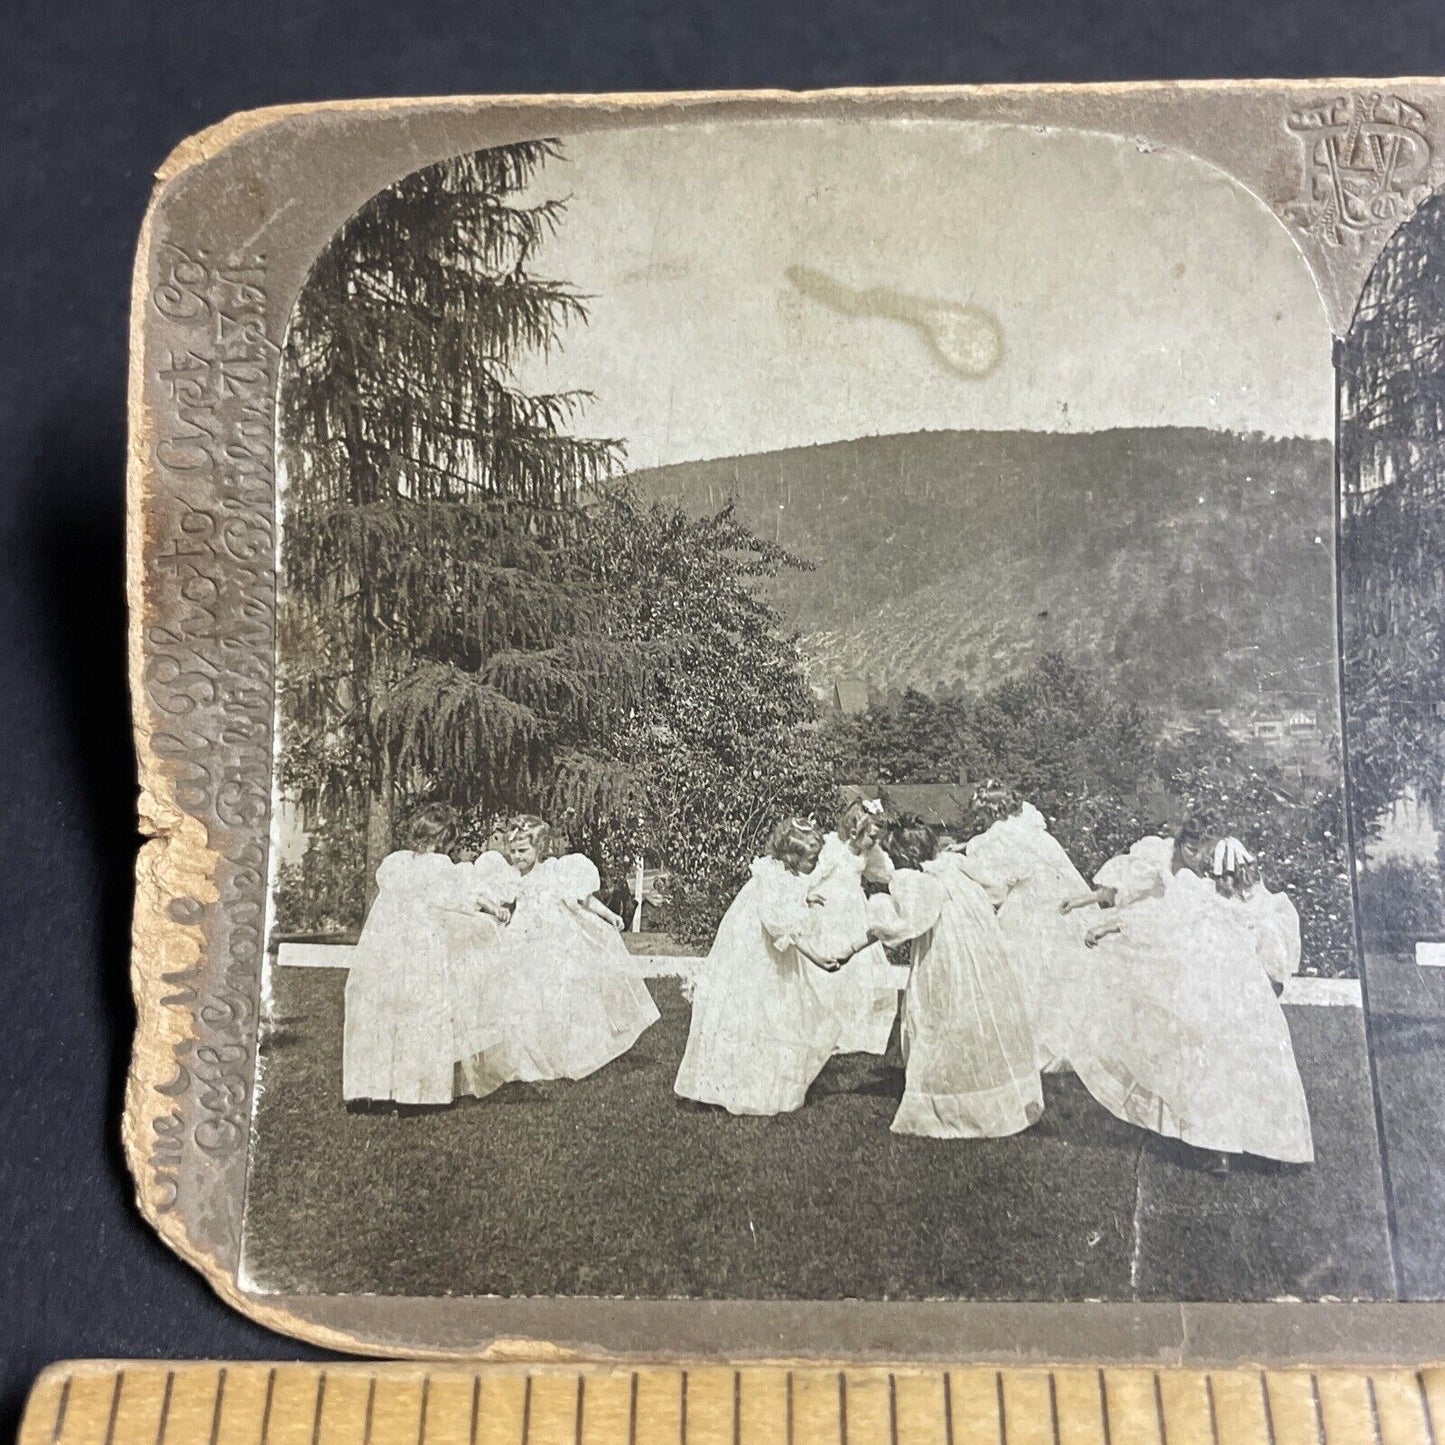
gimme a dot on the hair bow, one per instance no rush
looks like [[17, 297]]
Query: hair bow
[[1230, 855]]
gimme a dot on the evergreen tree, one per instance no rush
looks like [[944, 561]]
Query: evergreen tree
[[437, 638], [1392, 466]]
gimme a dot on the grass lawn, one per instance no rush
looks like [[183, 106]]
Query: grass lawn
[[612, 1186], [1273, 1231]]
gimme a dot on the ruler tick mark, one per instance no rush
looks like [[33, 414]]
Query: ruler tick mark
[[581, 1396], [1213, 1412], [476, 1409], [737, 1407], [370, 1411], [1424, 1408], [790, 1407], [527, 1410], [266, 1409], [1374, 1409], [682, 1409], [1159, 1410], [948, 1407], [216, 1409], [1002, 1408], [1268, 1407], [316, 1411], [114, 1407], [842, 1408], [892, 1409], [1319, 1409], [165, 1408], [1104, 1410], [59, 1427], [425, 1401], [1054, 1406]]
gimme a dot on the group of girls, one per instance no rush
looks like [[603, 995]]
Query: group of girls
[[475, 973], [1157, 986]]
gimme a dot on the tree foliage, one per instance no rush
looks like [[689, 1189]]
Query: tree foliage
[[437, 638], [470, 612], [720, 739], [1392, 553], [1098, 769]]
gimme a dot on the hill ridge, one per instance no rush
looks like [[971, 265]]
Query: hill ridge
[[1194, 567]]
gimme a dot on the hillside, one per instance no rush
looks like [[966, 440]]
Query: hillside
[[1194, 567]]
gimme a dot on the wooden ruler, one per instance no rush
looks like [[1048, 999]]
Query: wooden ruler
[[150, 1403]]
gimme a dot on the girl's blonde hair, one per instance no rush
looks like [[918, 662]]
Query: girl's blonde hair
[[794, 839], [537, 831], [852, 818], [992, 801]]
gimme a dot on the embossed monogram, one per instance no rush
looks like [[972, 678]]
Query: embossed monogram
[[1367, 163]]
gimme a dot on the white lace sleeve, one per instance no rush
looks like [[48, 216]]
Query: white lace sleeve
[[877, 866], [1139, 873], [908, 910], [575, 877], [494, 876]]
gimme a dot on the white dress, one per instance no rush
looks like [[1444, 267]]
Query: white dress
[[1142, 872], [1190, 1040], [1274, 921], [762, 1028], [397, 1036], [1026, 873], [473, 949], [1271, 918], [864, 992], [968, 1047], [565, 994]]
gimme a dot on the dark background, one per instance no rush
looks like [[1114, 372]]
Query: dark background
[[97, 96]]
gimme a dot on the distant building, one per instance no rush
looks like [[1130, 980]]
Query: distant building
[[1283, 723]]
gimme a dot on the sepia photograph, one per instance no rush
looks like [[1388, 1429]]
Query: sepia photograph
[[849, 699]]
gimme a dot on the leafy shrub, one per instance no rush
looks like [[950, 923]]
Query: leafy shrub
[[325, 892], [1085, 759], [1401, 900]]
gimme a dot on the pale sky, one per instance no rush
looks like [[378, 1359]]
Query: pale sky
[[776, 284]]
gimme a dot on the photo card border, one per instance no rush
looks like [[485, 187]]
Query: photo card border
[[239, 213]]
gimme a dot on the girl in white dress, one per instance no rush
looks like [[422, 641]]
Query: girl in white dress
[[398, 1040], [474, 925], [762, 1027], [1199, 1048], [1274, 921], [1027, 875], [968, 1047], [1271, 918], [565, 993], [863, 991]]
